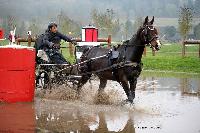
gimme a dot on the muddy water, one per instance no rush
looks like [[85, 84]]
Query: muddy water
[[162, 104]]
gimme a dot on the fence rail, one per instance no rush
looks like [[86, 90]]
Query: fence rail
[[193, 42], [29, 39]]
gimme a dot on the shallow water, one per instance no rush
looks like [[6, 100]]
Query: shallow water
[[162, 104]]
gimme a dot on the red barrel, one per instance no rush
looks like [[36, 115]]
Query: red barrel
[[17, 74]]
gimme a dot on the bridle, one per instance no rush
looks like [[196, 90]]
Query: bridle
[[148, 39]]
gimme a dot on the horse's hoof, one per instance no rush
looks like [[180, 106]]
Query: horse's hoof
[[127, 101]]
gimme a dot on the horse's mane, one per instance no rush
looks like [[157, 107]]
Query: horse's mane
[[125, 42], [133, 38]]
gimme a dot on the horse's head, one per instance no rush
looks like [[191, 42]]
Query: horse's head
[[149, 34]]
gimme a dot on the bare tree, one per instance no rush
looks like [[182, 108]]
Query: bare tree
[[9, 23], [67, 25], [137, 23], [185, 21], [106, 22], [128, 29], [34, 27]]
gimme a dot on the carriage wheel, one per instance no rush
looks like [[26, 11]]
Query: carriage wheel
[[44, 80]]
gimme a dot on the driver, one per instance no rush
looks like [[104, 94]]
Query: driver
[[51, 44]]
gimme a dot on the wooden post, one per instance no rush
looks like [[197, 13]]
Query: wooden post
[[199, 87], [153, 52], [29, 40], [109, 41], [183, 49], [70, 49], [199, 50], [190, 42], [18, 42], [145, 51]]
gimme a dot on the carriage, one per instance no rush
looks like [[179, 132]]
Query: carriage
[[125, 70], [49, 75]]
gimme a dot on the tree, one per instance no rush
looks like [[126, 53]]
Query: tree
[[9, 23], [106, 22], [34, 27], [197, 31], [128, 29], [67, 25], [137, 23], [185, 21], [21, 30], [5, 27]]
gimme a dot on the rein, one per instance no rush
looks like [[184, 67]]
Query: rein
[[119, 65]]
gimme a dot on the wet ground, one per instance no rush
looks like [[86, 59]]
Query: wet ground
[[163, 104]]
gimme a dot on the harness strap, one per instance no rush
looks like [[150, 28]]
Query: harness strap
[[132, 64], [118, 66]]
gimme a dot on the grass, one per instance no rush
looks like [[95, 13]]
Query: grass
[[4, 42], [66, 53], [172, 63], [169, 58]]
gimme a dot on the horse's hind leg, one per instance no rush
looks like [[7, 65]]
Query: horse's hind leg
[[102, 85], [125, 86]]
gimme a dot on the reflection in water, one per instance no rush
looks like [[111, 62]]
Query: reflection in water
[[17, 118], [187, 86], [161, 105], [82, 120]]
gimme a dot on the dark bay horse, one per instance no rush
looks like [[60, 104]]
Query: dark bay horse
[[129, 52]]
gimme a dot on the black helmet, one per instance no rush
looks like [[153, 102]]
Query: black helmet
[[51, 25]]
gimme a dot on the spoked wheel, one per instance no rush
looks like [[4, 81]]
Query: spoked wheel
[[44, 80]]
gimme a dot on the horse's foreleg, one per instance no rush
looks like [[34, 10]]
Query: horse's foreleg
[[81, 82], [133, 83], [102, 85], [125, 86]]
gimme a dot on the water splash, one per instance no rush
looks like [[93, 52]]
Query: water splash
[[58, 93]]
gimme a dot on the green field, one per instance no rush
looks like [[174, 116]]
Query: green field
[[169, 58], [4, 42], [66, 54]]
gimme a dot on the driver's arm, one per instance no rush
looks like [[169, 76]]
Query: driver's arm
[[64, 37], [46, 41]]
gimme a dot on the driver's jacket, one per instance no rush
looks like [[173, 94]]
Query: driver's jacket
[[53, 53], [53, 38]]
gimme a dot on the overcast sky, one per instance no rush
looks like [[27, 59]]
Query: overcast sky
[[80, 10]]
